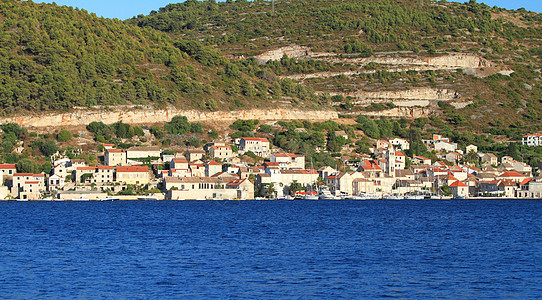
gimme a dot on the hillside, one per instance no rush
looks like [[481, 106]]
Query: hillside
[[57, 58], [476, 65]]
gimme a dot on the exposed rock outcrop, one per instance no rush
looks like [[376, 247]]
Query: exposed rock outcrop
[[412, 94], [149, 115]]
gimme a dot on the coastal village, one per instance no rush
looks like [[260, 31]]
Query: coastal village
[[216, 172]]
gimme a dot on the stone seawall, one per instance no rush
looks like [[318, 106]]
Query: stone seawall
[[149, 115]]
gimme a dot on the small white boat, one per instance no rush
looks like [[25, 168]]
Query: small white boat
[[310, 197], [150, 197], [357, 197], [393, 197], [325, 194], [110, 199]]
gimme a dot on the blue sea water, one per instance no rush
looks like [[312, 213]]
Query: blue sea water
[[271, 249]]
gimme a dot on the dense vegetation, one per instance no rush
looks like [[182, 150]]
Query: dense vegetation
[[510, 39], [55, 57]]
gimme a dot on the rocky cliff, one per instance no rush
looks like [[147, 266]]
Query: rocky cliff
[[147, 115]]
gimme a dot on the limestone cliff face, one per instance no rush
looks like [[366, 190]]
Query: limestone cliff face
[[412, 94], [144, 115]]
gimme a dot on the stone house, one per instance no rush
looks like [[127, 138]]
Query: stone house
[[114, 157], [133, 175]]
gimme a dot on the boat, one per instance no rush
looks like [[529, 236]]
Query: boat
[[357, 197], [149, 197], [393, 197], [310, 197], [414, 197], [325, 194], [110, 199]]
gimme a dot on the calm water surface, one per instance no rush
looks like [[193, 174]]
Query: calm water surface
[[271, 249]]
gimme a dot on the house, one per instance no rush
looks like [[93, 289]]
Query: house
[[445, 146], [326, 171], [97, 175], [133, 175], [530, 188], [512, 176], [259, 146], [194, 154], [223, 152], [108, 146], [75, 163], [282, 179], [362, 186], [400, 143], [471, 148], [288, 160], [201, 188], [420, 160], [28, 185], [507, 188], [62, 170], [400, 160], [532, 140], [7, 170], [136, 153], [55, 183], [197, 170], [489, 158], [382, 144], [459, 189], [506, 159], [114, 157], [453, 157], [178, 163], [212, 167], [342, 182]]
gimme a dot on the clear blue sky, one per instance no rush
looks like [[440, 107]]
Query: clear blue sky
[[124, 9]]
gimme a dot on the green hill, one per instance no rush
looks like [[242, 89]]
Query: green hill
[[359, 38], [55, 58]]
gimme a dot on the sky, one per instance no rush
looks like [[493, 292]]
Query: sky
[[125, 9]]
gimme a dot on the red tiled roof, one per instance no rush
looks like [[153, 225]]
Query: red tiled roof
[[256, 139], [180, 161], [213, 163], [23, 174], [8, 166], [31, 182], [526, 180], [511, 174], [236, 182], [398, 153], [105, 168], [133, 169], [221, 147], [114, 150], [458, 184], [85, 168]]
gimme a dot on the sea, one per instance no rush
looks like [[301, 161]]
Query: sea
[[452, 249]]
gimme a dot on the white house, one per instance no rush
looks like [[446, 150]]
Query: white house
[[259, 146], [445, 146], [401, 143], [532, 140], [289, 160]]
